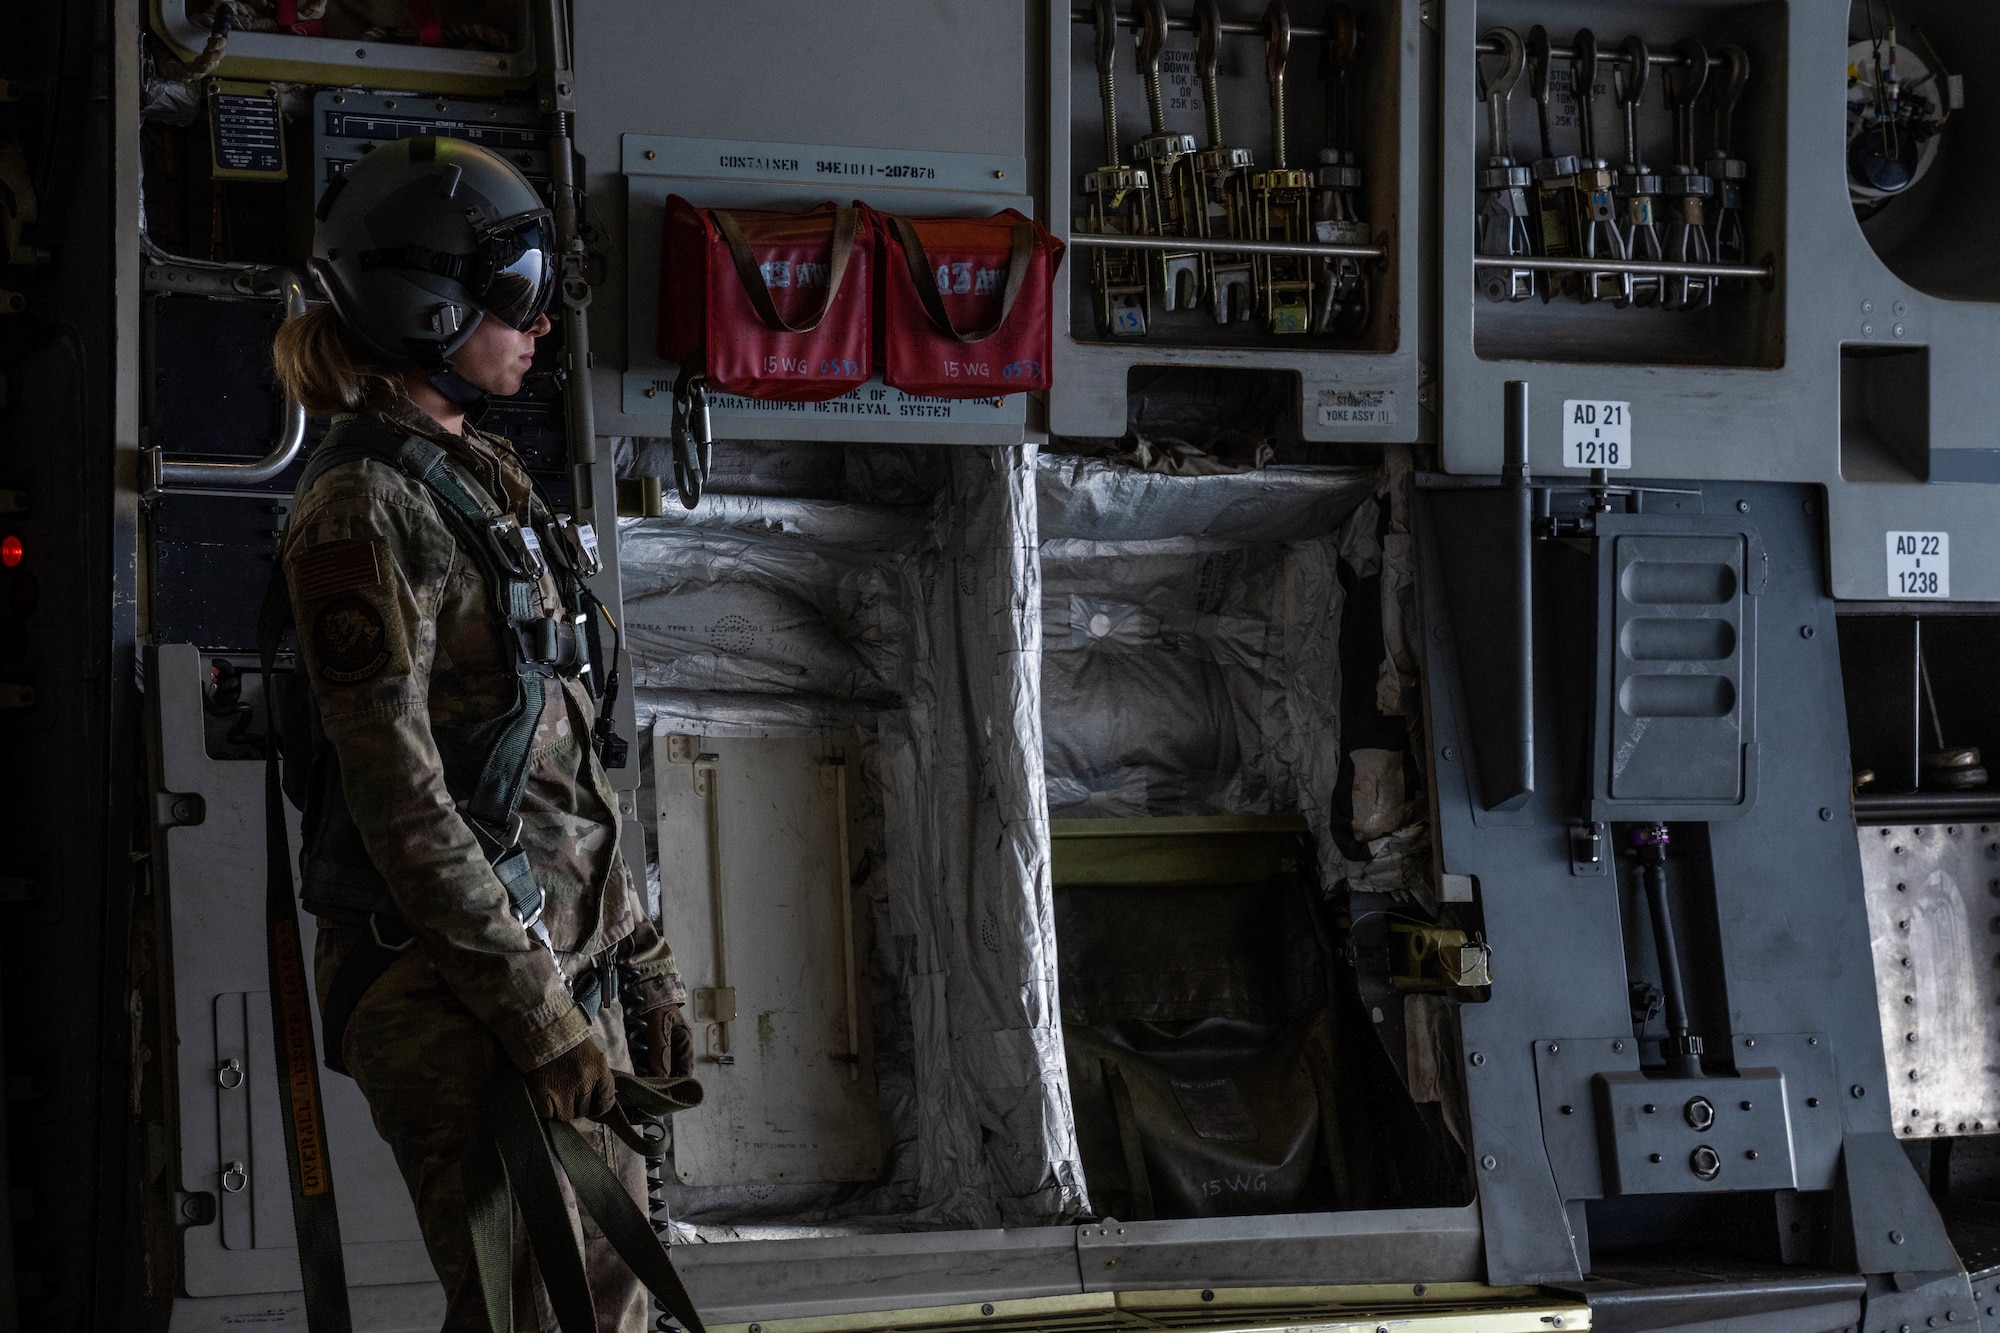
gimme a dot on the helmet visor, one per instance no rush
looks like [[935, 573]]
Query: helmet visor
[[519, 268]]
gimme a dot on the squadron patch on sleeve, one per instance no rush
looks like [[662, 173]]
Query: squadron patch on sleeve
[[350, 640]]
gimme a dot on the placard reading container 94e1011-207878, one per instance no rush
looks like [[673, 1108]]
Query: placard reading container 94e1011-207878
[[744, 174]]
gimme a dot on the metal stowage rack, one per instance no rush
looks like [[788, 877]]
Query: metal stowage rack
[[1087, 241], [1657, 59], [1172, 226], [1628, 234], [1658, 268]]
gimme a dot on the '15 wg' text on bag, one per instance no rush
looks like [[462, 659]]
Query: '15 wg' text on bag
[[767, 304], [966, 304]]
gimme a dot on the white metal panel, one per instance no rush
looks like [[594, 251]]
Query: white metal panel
[[755, 894], [214, 872]]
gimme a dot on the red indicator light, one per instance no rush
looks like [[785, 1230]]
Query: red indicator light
[[10, 551]]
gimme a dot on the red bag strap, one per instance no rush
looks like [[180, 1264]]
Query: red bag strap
[[846, 222], [1021, 253]]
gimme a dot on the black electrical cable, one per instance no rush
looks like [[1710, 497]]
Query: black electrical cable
[[1681, 1047]]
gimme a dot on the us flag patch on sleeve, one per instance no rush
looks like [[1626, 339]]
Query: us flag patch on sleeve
[[343, 566]]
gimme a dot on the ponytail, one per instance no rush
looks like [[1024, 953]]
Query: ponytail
[[329, 370]]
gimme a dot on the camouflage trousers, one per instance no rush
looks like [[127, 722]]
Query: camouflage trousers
[[424, 1063]]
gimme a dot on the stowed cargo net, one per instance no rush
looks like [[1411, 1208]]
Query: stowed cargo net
[[768, 305], [965, 304]]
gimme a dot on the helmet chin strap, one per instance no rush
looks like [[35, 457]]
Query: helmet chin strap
[[460, 392]]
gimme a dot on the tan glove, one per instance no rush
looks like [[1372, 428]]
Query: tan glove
[[576, 1085], [665, 1043]]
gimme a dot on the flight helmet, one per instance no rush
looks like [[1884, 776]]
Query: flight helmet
[[424, 237]]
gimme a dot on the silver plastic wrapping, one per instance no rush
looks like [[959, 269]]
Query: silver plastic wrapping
[[1092, 500], [916, 628], [1192, 630], [1398, 845]]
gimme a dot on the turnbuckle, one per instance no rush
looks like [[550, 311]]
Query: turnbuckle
[[1598, 233], [1117, 206], [1340, 303], [1638, 185], [1503, 183], [1728, 172], [1557, 220], [1225, 173], [1177, 205], [1687, 190], [1281, 199]]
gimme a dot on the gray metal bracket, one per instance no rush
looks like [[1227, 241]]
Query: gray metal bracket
[[1412, 1245], [1580, 1080]]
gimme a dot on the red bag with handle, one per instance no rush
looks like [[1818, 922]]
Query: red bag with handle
[[966, 304], [767, 304]]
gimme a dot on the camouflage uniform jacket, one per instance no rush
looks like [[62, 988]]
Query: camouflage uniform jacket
[[397, 634]]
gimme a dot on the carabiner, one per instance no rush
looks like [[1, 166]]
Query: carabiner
[[693, 440]]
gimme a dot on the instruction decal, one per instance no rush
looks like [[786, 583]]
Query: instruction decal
[[1357, 407], [1919, 564], [1596, 434], [1182, 80]]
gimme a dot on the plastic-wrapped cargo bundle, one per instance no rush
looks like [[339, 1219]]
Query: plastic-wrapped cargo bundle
[[1191, 628], [912, 628]]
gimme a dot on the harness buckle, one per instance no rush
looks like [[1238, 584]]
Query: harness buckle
[[494, 847], [517, 546], [579, 543], [548, 646]]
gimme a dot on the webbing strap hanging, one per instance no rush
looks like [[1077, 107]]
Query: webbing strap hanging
[[315, 1216], [1020, 254], [846, 225], [512, 1157]]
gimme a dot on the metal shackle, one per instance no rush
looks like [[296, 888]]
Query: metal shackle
[[1495, 91], [1207, 54], [1736, 63], [1583, 89], [1684, 89], [1635, 71], [1277, 50]]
